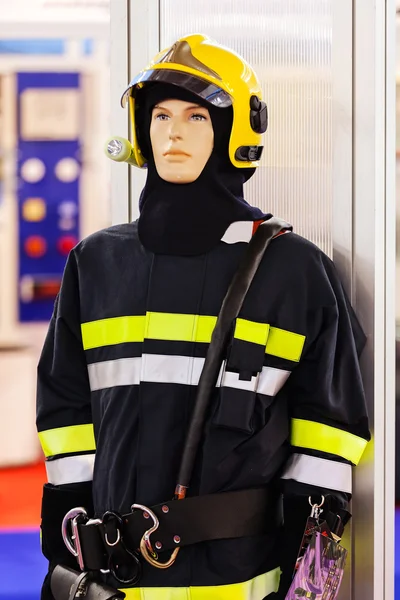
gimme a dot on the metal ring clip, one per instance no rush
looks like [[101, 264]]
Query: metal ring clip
[[316, 508], [73, 543], [146, 548], [317, 505], [108, 516], [111, 544]]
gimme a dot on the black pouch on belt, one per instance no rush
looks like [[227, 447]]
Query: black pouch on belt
[[67, 584]]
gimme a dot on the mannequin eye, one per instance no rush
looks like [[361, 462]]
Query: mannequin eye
[[161, 117], [198, 117]]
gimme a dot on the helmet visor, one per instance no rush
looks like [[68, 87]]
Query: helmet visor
[[204, 89]]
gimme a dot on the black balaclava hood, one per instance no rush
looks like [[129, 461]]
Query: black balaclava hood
[[190, 219]]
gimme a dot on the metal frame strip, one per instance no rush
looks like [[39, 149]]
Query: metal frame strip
[[373, 296], [144, 38], [119, 118]]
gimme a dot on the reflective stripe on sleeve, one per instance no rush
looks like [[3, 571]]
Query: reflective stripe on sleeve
[[111, 373], [272, 380], [185, 370], [285, 344], [254, 589], [70, 469], [107, 332], [319, 472], [313, 435], [63, 440], [187, 328]]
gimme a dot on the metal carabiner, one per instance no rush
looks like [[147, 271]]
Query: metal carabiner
[[135, 568], [73, 543], [146, 548]]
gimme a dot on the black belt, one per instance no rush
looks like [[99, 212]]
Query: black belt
[[181, 523]]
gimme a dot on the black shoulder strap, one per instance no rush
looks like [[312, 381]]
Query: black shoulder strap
[[230, 309]]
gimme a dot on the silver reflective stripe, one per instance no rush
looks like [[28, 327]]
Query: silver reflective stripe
[[185, 370], [123, 371], [71, 469], [161, 368], [232, 380], [319, 472], [271, 380], [154, 368]]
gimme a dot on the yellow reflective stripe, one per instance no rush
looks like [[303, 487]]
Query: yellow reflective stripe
[[278, 342], [309, 434], [205, 327], [250, 331], [285, 344], [153, 326], [165, 326], [187, 328], [116, 330], [179, 327], [75, 438], [255, 589]]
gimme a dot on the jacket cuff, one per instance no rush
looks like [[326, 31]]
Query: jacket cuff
[[56, 502]]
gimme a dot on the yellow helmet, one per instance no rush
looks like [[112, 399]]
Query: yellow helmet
[[217, 75]]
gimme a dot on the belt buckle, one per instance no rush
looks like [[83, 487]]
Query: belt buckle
[[73, 542], [146, 548]]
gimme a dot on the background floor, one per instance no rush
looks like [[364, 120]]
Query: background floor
[[22, 566]]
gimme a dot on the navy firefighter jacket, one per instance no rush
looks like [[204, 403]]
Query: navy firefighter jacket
[[123, 355]]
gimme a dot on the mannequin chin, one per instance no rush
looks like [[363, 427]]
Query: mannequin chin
[[182, 140]]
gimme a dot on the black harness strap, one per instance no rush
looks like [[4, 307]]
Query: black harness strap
[[230, 310], [196, 519]]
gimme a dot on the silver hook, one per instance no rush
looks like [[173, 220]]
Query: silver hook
[[73, 546]]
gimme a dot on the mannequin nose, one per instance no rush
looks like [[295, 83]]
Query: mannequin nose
[[175, 132], [174, 136]]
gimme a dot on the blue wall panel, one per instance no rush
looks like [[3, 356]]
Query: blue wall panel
[[54, 192]]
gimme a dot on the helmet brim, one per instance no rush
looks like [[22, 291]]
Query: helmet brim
[[200, 87]]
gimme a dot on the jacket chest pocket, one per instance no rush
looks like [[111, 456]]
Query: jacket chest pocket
[[240, 376]]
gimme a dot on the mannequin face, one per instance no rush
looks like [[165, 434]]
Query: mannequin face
[[182, 139]]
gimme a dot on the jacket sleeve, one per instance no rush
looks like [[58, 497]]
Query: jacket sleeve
[[64, 421], [329, 423]]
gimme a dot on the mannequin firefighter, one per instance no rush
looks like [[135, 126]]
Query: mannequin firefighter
[[120, 366]]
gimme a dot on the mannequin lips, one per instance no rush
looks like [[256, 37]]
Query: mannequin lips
[[177, 153], [176, 156]]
